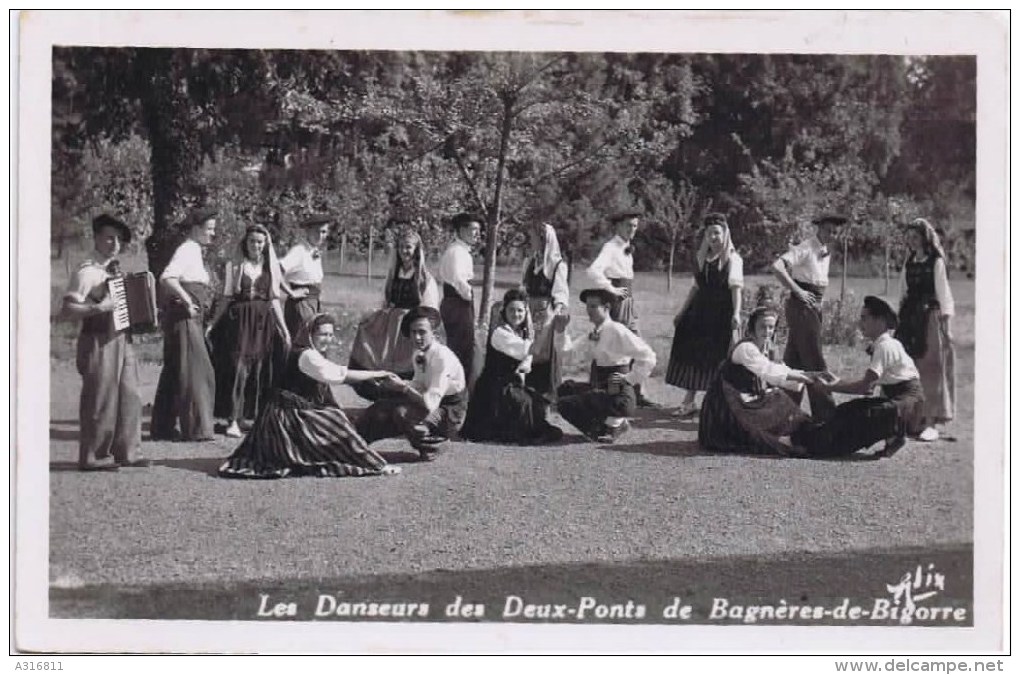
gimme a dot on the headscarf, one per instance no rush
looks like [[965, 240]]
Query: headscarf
[[551, 255], [711, 220], [757, 314], [516, 295], [270, 265], [932, 243], [303, 339], [421, 273]]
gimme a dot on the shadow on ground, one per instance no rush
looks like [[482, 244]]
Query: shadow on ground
[[813, 579]]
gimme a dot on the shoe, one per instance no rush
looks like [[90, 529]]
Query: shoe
[[643, 402], [928, 435], [233, 431], [99, 465], [614, 433], [139, 463], [892, 446], [686, 410], [246, 425]]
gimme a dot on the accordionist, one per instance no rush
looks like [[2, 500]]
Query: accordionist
[[110, 410]]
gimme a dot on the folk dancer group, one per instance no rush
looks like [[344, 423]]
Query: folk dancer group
[[255, 351]]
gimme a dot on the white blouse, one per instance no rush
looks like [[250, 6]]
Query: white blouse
[[611, 263], [300, 266], [809, 262], [617, 345], [318, 367], [456, 268], [505, 340], [186, 264], [441, 375]]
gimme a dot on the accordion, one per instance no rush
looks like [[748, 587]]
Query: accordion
[[134, 296]]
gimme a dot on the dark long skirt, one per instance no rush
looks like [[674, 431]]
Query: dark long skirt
[[862, 422], [804, 349], [297, 311], [110, 408], [728, 423], [459, 323], [294, 438], [587, 407], [187, 383], [506, 411], [702, 339], [546, 368], [247, 351], [378, 345]]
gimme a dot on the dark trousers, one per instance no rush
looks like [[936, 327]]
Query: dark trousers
[[459, 323], [187, 383], [297, 311], [396, 417], [110, 409], [804, 352], [586, 406]]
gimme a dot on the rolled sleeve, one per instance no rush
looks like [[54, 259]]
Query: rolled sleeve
[[82, 281], [643, 355], [318, 367]]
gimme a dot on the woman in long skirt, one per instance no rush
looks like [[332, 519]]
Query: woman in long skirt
[[301, 431], [546, 283], [187, 383], [925, 316], [379, 343], [502, 408], [249, 332], [745, 409], [709, 322]]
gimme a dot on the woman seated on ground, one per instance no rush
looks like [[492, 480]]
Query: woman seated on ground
[[379, 343], [745, 409], [302, 431], [502, 407]]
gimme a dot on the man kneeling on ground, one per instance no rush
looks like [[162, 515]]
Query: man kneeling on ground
[[431, 407], [600, 408], [859, 423]]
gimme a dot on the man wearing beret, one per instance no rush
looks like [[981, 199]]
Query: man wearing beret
[[613, 272], [804, 270], [302, 273], [110, 407], [621, 361], [859, 423]]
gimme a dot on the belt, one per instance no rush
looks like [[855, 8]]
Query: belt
[[621, 283], [815, 289], [314, 290]]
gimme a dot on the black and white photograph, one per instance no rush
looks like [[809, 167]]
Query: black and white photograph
[[508, 331]]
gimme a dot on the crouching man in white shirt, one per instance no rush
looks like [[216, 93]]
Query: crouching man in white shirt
[[622, 361]]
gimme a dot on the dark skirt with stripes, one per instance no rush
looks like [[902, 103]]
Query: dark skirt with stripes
[[294, 437], [729, 423], [187, 383], [247, 349], [703, 333]]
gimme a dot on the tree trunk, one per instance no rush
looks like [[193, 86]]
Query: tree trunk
[[494, 214], [175, 153], [669, 265], [886, 267], [343, 251], [846, 263], [371, 250]]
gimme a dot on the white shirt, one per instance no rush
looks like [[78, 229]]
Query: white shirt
[[442, 375], [947, 307], [299, 267], [318, 367], [807, 263], [770, 372], [456, 268], [618, 346], [611, 263], [85, 279], [186, 264], [505, 340], [890, 361], [735, 277]]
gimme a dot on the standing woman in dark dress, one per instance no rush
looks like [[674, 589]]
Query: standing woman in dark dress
[[745, 409], [924, 324], [502, 408], [379, 342], [301, 431], [709, 322], [187, 383], [545, 282], [249, 331]]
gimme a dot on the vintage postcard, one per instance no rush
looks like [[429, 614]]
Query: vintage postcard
[[510, 331]]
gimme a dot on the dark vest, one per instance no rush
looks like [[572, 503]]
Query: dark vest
[[308, 388], [536, 284], [921, 280], [498, 364], [404, 293], [739, 377]]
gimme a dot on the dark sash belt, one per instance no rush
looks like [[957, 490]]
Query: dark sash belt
[[451, 292], [314, 290], [813, 289], [622, 283]]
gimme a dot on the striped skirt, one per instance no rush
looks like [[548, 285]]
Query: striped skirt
[[294, 438]]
